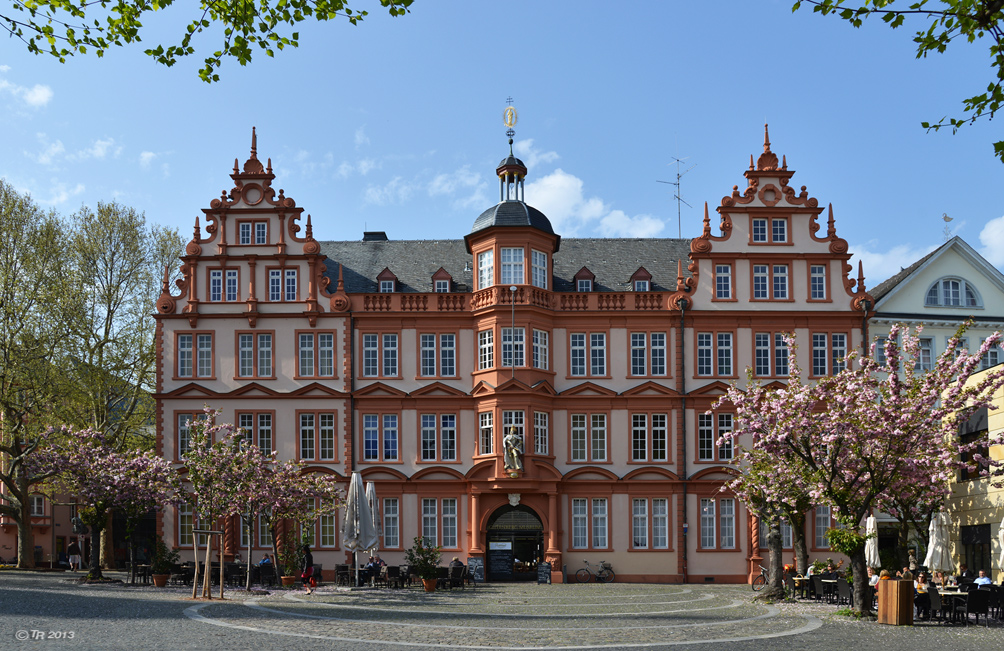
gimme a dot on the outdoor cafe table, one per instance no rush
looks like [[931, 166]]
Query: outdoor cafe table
[[829, 587], [954, 596]]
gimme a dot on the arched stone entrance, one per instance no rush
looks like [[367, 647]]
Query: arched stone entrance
[[515, 544]]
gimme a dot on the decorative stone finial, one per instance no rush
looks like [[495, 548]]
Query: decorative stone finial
[[707, 221], [861, 277], [831, 225], [766, 138]]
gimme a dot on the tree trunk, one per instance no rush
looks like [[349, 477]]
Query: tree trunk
[[903, 543], [799, 543], [108, 544], [862, 591], [25, 538], [775, 564], [94, 572]]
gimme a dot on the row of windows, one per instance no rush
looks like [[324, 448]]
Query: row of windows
[[927, 353], [715, 354], [821, 521], [770, 282], [255, 356], [438, 438], [224, 285]]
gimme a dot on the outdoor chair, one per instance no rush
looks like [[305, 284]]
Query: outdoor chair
[[442, 578], [393, 579], [977, 603], [342, 576], [266, 574], [817, 587], [405, 578], [318, 567], [937, 608], [844, 595]]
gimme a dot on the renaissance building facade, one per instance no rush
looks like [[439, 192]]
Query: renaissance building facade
[[514, 395]]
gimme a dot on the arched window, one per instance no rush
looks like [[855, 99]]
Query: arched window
[[953, 292]]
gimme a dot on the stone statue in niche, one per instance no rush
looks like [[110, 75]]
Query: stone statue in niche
[[513, 443]]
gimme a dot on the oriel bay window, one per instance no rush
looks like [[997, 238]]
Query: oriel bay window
[[512, 266], [486, 433], [439, 437], [512, 347], [588, 438], [539, 268], [438, 355], [540, 349], [254, 354], [513, 420], [649, 437], [589, 523], [317, 436], [486, 269], [650, 523], [316, 356], [486, 350], [541, 433], [380, 437]]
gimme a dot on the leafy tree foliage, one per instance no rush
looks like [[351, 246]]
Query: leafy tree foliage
[[950, 20], [64, 28]]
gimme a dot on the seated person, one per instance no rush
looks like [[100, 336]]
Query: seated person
[[885, 575], [939, 579], [456, 562], [983, 579], [265, 560], [965, 573], [873, 578], [921, 600], [830, 573]]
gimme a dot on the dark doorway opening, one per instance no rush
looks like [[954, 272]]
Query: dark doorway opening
[[515, 544]]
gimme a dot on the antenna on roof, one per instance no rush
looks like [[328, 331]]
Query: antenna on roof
[[679, 199]]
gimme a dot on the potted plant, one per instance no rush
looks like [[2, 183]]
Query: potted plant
[[424, 562], [164, 560], [290, 558]]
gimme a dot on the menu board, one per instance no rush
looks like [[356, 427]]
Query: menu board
[[476, 569], [500, 563], [543, 572]]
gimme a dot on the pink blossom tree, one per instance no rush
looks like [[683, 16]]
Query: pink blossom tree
[[860, 433], [86, 465]]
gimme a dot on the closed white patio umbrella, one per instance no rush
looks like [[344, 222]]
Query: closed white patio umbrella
[[374, 504], [357, 528], [871, 545], [939, 554], [1000, 541]]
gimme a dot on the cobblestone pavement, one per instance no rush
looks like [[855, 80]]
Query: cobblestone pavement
[[513, 616]]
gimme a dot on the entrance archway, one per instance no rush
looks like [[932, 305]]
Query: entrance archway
[[515, 537]]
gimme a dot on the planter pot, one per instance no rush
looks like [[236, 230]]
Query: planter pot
[[430, 584], [160, 580], [287, 581]]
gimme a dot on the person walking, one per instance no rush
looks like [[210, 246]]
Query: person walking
[[307, 569], [74, 552]]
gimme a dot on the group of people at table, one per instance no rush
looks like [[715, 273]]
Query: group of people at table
[[925, 581]]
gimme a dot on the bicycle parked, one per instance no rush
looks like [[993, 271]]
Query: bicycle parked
[[761, 581], [605, 573]]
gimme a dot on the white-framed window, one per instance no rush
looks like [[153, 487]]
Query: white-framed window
[[380, 437], [649, 437], [538, 261], [449, 505], [254, 232], [317, 436], [328, 527], [761, 354], [991, 358], [223, 285], [486, 432], [486, 349], [261, 233], [723, 281], [386, 286], [541, 433], [264, 533], [512, 347], [779, 230], [513, 419], [37, 506], [290, 277], [540, 349], [786, 541], [580, 523], [592, 346], [780, 355], [641, 285], [430, 521], [257, 427], [717, 347], [486, 269], [925, 359], [275, 285], [589, 437], [822, 523], [447, 354], [316, 354], [639, 524], [708, 523], [203, 355], [760, 280], [839, 351], [727, 518], [439, 437], [282, 285], [708, 435], [759, 230], [704, 353], [255, 355], [953, 292], [817, 282], [660, 523], [725, 426], [819, 354], [380, 355], [186, 525], [391, 522], [724, 353], [442, 286], [184, 433], [245, 232], [512, 266], [780, 282], [599, 522], [650, 526], [584, 285]]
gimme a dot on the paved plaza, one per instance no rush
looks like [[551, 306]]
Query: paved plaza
[[54, 613]]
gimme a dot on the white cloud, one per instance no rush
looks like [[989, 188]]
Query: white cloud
[[559, 196], [992, 239], [146, 158], [454, 181], [59, 193], [99, 149], [396, 191], [49, 151], [361, 167], [880, 265], [531, 157], [36, 96], [4, 68], [361, 138], [618, 224]]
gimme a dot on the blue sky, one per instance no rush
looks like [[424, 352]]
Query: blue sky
[[396, 124]]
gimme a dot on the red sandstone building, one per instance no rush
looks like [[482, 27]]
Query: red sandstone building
[[410, 360]]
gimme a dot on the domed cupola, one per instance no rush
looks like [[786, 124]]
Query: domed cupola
[[512, 210]]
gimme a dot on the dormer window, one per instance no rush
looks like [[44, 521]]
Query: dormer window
[[641, 285], [952, 292], [386, 286], [442, 286], [641, 280], [584, 285], [388, 281]]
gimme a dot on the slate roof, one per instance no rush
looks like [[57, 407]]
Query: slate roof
[[612, 260], [889, 284], [512, 213]]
